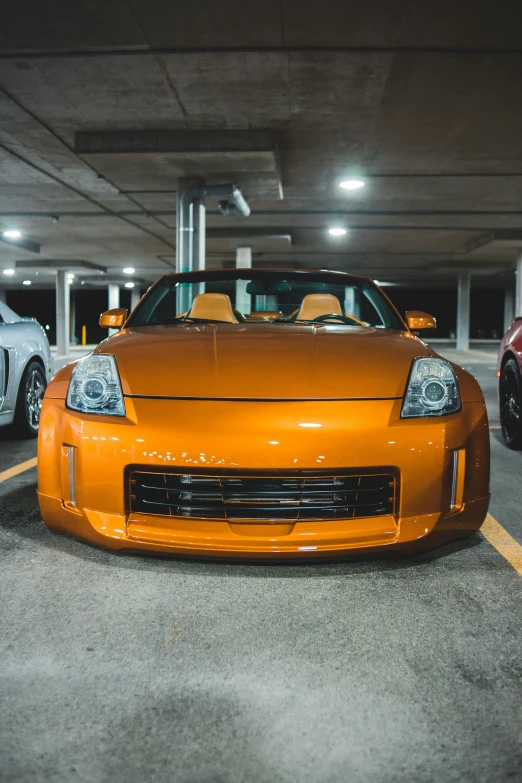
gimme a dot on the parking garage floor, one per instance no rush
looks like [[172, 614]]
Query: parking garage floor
[[129, 668]]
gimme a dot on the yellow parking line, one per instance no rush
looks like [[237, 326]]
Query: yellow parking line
[[492, 356], [21, 468], [510, 549]]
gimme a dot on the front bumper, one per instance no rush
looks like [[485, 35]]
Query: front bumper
[[188, 435]]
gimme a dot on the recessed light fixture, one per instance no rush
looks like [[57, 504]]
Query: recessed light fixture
[[8, 271], [26, 282], [12, 233], [70, 275], [352, 184], [129, 270], [129, 285], [337, 232]]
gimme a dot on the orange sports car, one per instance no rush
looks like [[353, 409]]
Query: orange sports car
[[265, 414]]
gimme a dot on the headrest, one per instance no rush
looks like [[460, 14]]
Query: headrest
[[314, 305], [212, 307]]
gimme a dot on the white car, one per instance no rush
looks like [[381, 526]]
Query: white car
[[25, 368]]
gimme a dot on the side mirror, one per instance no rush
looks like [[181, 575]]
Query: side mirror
[[113, 319], [418, 320]]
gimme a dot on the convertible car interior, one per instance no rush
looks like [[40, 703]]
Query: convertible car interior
[[266, 297], [218, 307], [314, 307]]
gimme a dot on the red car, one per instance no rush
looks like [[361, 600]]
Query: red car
[[510, 385]]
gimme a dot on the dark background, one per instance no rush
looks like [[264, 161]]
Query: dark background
[[487, 309], [89, 304]]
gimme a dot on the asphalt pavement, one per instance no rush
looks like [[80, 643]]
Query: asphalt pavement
[[127, 668]]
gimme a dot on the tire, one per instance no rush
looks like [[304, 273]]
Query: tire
[[29, 400], [510, 398]]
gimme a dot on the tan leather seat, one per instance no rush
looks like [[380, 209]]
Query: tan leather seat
[[212, 307], [314, 305]]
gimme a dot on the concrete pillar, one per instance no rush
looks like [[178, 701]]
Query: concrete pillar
[[3, 295], [135, 297], [72, 305], [509, 306], [114, 296], [114, 300], [243, 261], [518, 285], [463, 308], [62, 313]]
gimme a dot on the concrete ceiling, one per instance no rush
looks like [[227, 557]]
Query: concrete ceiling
[[422, 100]]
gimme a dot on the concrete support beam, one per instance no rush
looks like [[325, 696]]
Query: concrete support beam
[[3, 295], [243, 261], [135, 297], [113, 300], [509, 306], [63, 294], [72, 305], [463, 311], [113, 296], [518, 285], [183, 141]]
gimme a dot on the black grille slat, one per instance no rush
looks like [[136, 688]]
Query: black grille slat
[[262, 497], [270, 492]]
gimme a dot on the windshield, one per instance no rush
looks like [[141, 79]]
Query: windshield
[[260, 296]]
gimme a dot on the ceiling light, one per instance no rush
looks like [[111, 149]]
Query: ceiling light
[[70, 280], [129, 285], [8, 271], [12, 233], [70, 275], [352, 184], [337, 232], [26, 282], [129, 270]]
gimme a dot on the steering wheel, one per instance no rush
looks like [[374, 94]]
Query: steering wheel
[[345, 319]]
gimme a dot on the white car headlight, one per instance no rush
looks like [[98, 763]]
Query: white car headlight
[[432, 390], [95, 386]]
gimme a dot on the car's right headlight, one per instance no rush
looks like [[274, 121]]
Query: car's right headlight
[[95, 386], [432, 389]]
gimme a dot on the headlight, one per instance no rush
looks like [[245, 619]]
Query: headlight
[[95, 386], [432, 390]]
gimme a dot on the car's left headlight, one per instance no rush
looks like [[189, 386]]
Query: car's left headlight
[[95, 386], [432, 390]]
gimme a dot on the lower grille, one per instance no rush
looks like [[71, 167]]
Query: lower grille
[[244, 497]]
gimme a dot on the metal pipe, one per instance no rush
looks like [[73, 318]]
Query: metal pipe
[[229, 193], [190, 247], [240, 202]]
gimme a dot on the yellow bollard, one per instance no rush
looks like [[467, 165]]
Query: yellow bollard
[[84, 335]]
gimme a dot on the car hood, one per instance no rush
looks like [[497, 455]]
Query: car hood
[[263, 361]]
